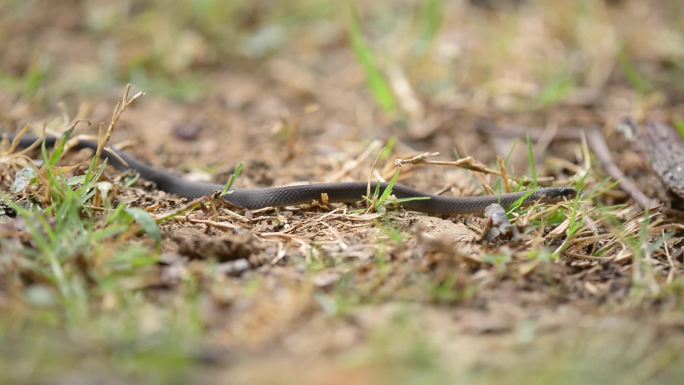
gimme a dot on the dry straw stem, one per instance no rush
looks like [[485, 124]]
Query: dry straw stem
[[370, 174], [19, 158], [15, 143], [354, 163], [304, 246], [617, 245], [104, 135], [468, 163], [670, 261], [235, 215], [215, 224], [504, 174]]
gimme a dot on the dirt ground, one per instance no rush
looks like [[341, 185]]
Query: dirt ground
[[589, 291]]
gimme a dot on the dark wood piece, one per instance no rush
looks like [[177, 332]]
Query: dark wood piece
[[664, 149]]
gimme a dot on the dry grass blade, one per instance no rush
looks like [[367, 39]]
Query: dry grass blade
[[104, 135], [504, 174]]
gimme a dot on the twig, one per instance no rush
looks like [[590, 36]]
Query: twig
[[468, 163], [180, 209], [598, 145], [17, 139], [418, 159], [670, 274], [280, 254], [33, 146], [235, 215], [504, 174], [291, 237], [218, 225], [338, 237]]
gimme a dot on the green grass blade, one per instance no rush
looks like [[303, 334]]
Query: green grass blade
[[379, 87], [635, 79], [145, 220], [679, 126], [231, 181], [520, 201], [58, 150], [35, 78], [556, 89], [431, 17], [412, 199], [388, 149], [387, 192]]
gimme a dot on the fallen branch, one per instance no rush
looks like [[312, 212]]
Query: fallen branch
[[468, 163]]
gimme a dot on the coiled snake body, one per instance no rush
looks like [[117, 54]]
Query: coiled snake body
[[292, 195]]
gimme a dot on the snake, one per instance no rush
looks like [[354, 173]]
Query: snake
[[342, 192]]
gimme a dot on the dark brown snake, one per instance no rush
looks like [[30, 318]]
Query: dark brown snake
[[292, 195]]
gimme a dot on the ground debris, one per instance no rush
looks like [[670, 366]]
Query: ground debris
[[497, 225], [223, 248]]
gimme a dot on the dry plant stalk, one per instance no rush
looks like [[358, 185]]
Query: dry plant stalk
[[468, 163], [370, 174], [193, 204], [504, 174], [105, 135]]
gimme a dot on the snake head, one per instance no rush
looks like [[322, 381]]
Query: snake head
[[560, 193]]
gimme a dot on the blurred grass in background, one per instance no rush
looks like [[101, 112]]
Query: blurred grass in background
[[512, 54]]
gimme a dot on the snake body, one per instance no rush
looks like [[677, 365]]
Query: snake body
[[292, 195]]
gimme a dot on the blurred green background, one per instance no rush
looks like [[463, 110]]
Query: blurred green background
[[508, 54]]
